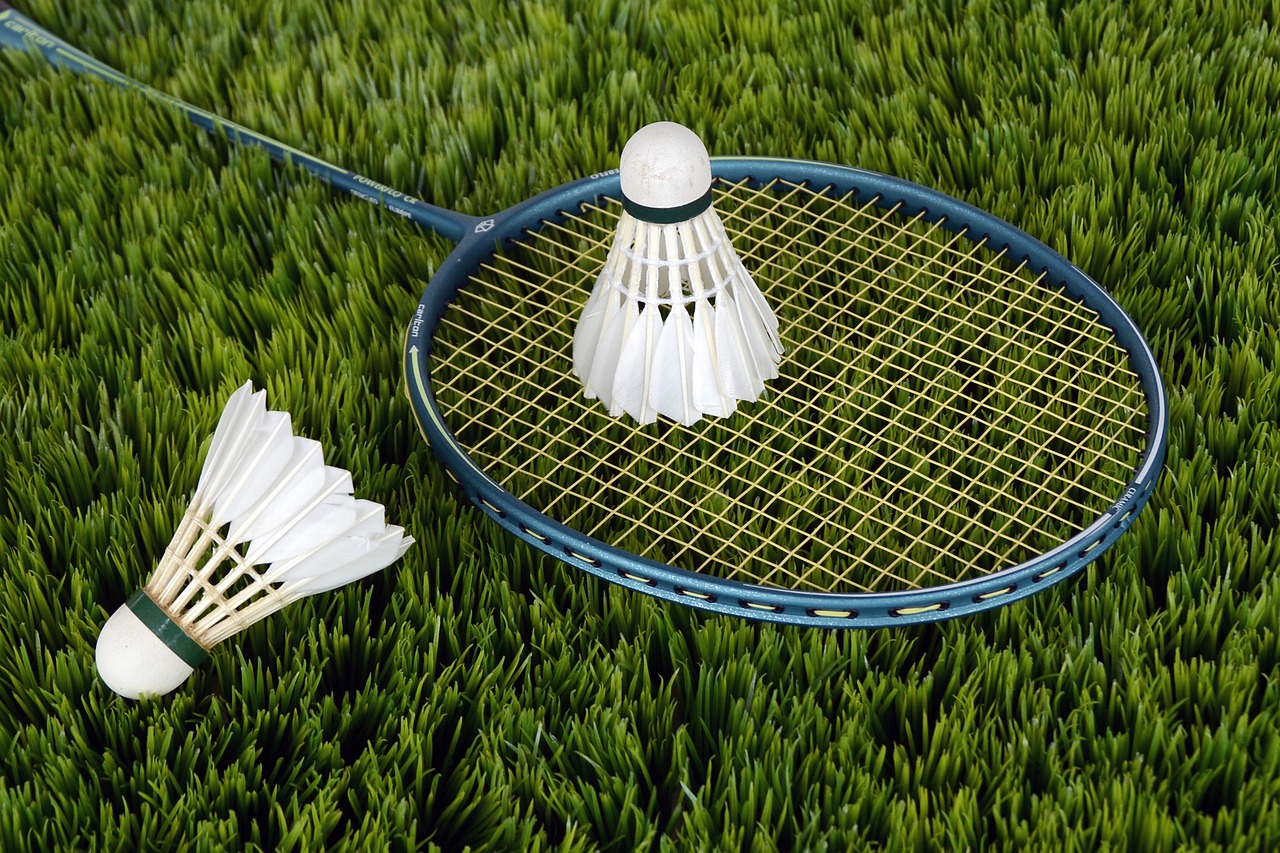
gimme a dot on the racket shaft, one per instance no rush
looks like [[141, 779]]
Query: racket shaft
[[17, 31]]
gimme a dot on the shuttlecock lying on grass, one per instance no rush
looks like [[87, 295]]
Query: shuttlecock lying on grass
[[269, 523], [675, 325]]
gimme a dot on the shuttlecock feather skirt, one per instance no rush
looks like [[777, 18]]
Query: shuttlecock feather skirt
[[269, 523], [675, 325]]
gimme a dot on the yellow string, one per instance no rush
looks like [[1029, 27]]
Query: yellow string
[[941, 412]]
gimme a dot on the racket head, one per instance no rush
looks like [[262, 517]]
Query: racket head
[[812, 227]]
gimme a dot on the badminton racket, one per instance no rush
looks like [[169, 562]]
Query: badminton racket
[[962, 417]]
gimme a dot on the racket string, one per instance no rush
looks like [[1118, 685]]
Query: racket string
[[745, 505]]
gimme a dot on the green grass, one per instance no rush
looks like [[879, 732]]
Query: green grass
[[478, 695]]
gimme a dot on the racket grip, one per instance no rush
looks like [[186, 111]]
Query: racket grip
[[18, 32]]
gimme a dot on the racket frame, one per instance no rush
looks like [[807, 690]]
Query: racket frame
[[829, 610]]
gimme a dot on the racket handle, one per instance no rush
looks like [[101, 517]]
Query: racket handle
[[20, 33]]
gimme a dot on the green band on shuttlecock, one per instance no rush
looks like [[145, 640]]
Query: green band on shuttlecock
[[667, 215], [150, 614]]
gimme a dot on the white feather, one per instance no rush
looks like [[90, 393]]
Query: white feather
[[635, 367], [749, 295], [708, 391], [299, 483], [364, 548], [331, 509], [604, 368], [594, 324], [587, 334], [353, 558], [671, 393], [261, 485], [739, 375], [718, 344], [249, 466], [760, 352], [243, 409]]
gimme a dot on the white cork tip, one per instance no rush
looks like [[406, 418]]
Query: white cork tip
[[133, 661], [665, 165]]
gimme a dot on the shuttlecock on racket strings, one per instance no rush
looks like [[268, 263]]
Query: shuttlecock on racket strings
[[269, 523], [674, 325]]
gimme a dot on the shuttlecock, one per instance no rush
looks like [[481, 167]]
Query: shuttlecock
[[269, 523], [675, 325]]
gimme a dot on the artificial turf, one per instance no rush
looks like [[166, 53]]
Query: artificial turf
[[480, 695]]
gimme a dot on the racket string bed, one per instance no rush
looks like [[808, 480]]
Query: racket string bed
[[961, 414], [848, 279]]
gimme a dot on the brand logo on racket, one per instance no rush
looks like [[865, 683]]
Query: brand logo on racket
[[26, 32], [1120, 504], [485, 226]]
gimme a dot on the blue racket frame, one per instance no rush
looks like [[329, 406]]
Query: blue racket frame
[[826, 610], [477, 237]]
